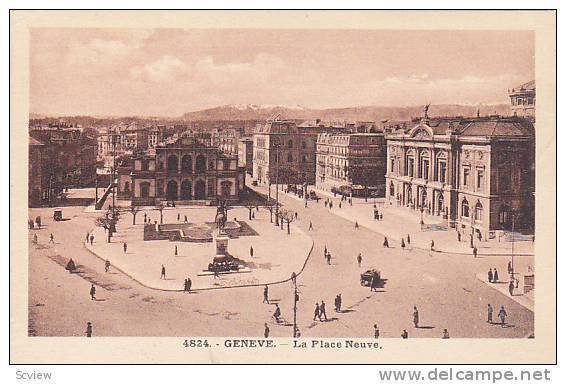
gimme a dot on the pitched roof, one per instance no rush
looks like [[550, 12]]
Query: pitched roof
[[33, 141]]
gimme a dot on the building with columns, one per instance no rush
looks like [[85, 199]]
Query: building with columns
[[187, 172], [476, 174]]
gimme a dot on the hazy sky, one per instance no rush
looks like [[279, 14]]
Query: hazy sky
[[168, 72]]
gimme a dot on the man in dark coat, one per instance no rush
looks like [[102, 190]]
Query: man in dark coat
[[317, 312], [385, 243], [490, 275], [323, 311], [489, 314], [495, 275], [277, 313], [92, 292], [265, 330], [88, 329], [266, 294], [415, 317]]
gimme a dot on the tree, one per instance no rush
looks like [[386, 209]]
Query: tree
[[288, 217], [134, 209], [270, 206], [106, 223], [160, 207], [250, 205]]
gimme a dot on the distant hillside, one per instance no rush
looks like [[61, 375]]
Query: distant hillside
[[370, 113]]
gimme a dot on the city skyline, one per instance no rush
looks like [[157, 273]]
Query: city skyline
[[168, 72]]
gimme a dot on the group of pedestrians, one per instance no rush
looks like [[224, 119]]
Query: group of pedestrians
[[90, 238], [502, 315], [376, 214], [319, 311], [328, 203]]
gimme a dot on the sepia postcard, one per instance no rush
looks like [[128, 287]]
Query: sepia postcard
[[355, 187]]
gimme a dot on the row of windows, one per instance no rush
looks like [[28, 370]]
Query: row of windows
[[523, 101]]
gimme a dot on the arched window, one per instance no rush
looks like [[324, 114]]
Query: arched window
[[465, 208], [290, 158], [290, 144], [172, 163], [478, 211], [127, 187]]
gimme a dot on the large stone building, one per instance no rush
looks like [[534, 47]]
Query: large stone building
[[246, 154], [60, 157], [523, 100], [187, 172], [286, 152], [473, 173], [351, 163]]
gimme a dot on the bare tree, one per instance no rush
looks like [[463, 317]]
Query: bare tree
[[134, 209], [270, 206], [288, 217], [250, 205], [106, 223], [160, 207]]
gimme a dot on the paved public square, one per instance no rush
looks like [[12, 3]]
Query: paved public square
[[447, 288]]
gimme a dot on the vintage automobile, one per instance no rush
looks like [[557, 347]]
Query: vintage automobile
[[368, 276], [223, 264], [57, 215], [313, 196]]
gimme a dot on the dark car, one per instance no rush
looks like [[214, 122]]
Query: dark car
[[223, 264], [58, 215], [369, 275]]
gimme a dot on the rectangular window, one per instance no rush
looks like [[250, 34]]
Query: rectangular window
[[479, 179], [466, 177], [442, 171], [392, 169], [424, 169], [410, 166]]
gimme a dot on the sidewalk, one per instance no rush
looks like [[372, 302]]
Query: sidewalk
[[399, 222], [276, 254], [526, 301]]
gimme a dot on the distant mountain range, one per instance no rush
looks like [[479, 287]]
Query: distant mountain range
[[366, 113]]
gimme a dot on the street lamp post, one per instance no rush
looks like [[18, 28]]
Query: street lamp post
[[512, 245], [295, 299], [472, 221], [276, 184]]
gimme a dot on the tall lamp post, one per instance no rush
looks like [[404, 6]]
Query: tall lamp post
[[472, 221], [512, 245], [295, 299]]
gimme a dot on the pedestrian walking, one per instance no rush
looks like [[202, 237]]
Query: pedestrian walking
[[178, 217], [432, 245], [266, 294], [125, 247], [87, 235], [375, 332], [325, 251], [162, 272], [88, 329], [51, 239], [107, 265], [296, 215], [186, 220], [35, 238], [502, 315], [251, 251], [404, 334], [330, 205], [402, 244], [415, 317], [176, 251], [265, 330], [310, 226], [511, 287], [325, 203], [323, 311], [359, 258], [306, 205], [489, 314], [408, 239], [495, 275], [144, 217], [509, 268], [374, 283], [385, 243], [328, 257], [380, 216], [490, 275], [316, 313], [356, 225], [459, 236], [340, 205], [91, 239], [475, 252], [92, 292], [445, 334], [277, 313], [189, 284]]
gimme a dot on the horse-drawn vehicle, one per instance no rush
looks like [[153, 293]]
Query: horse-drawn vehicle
[[369, 277]]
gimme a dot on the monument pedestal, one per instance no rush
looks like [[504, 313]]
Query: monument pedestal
[[222, 244]]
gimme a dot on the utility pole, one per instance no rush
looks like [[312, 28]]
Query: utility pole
[[113, 168], [276, 184], [512, 245]]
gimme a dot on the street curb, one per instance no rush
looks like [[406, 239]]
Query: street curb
[[206, 289], [504, 294]]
